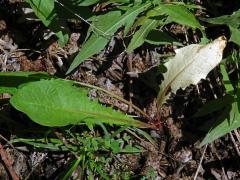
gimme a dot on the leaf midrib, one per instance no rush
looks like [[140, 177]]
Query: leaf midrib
[[146, 29], [175, 77], [77, 111], [114, 26]]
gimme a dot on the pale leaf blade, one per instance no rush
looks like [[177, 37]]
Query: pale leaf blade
[[190, 64]]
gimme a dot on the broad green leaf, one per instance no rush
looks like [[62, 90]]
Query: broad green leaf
[[179, 14], [108, 24], [140, 36], [57, 103], [119, 1], [43, 10], [10, 90], [85, 2], [97, 42], [135, 11], [232, 21], [46, 12], [228, 120], [235, 35], [189, 6], [161, 38], [190, 64], [215, 105], [227, 83], [9, 81], [14, 79]]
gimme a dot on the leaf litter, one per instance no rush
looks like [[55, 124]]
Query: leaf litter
[[176, 157]]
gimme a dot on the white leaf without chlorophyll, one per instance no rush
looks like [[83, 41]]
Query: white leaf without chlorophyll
[[190, 64]]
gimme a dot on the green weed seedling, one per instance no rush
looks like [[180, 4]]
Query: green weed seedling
[[94, 153], [57, 103]]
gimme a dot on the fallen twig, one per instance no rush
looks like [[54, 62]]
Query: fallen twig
[[200, 163], [234, 143], [8, 164]]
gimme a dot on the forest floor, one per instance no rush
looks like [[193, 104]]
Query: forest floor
[[26, 45]]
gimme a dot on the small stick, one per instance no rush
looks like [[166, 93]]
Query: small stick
[[130, 69], [237, 134], [235, 144], [8, 164], [224, 173], [200, 163], [7, 141], [64, 141]]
